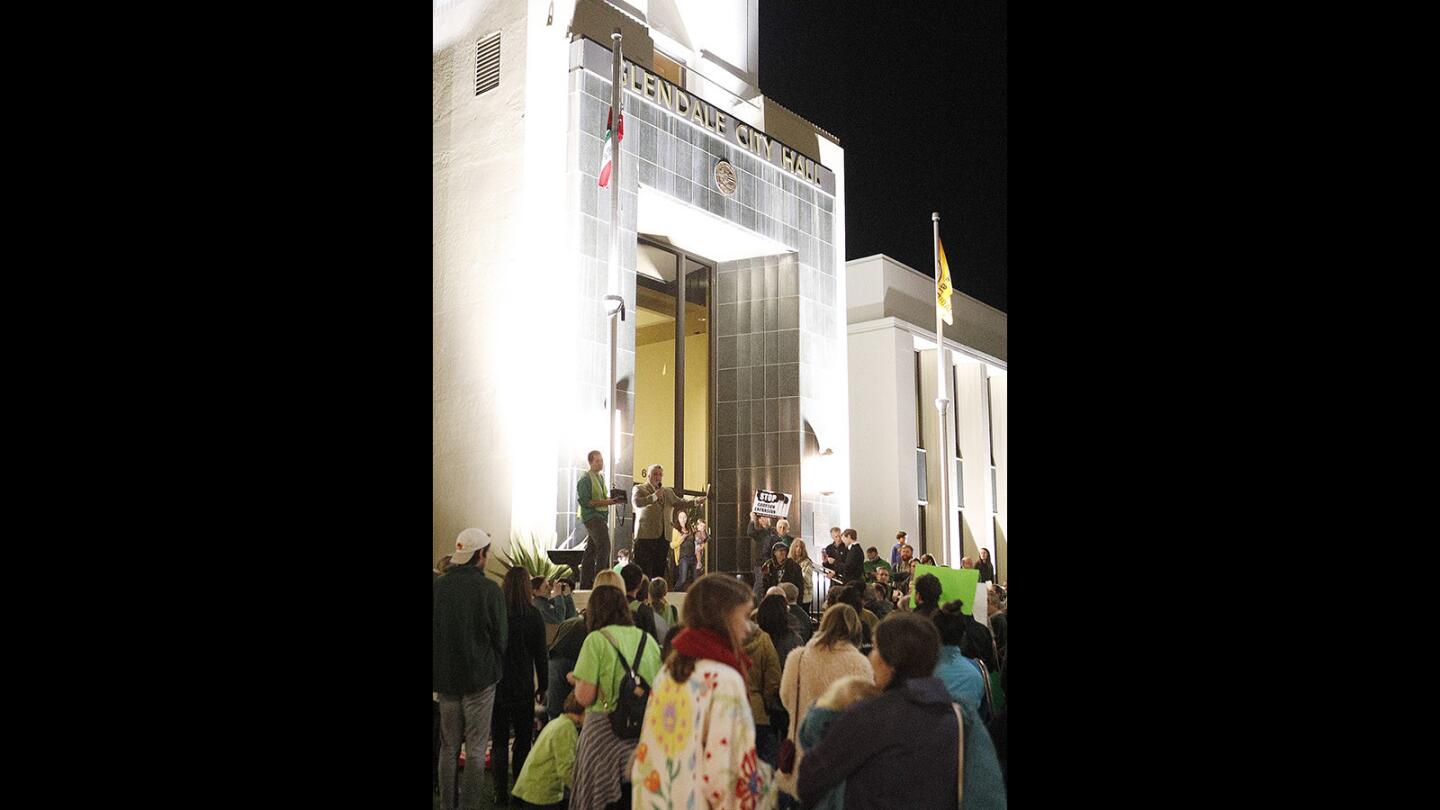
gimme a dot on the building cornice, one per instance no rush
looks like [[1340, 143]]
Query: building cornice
[[891, 322]]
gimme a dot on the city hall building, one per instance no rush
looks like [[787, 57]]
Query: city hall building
[[895, 427], [732, 364]]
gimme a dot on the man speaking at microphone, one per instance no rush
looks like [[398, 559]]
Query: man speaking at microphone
[[653, 506]]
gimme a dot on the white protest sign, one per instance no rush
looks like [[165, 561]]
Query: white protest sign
[[772, 504]]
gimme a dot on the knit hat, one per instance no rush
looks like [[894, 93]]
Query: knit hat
[[469, 542]]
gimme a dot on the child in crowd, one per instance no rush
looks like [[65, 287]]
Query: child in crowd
[[666, 616], [622, 559], [840, 696], [544, 782]]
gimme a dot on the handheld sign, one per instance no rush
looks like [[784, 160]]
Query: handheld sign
[[772, 504], [954, 584]]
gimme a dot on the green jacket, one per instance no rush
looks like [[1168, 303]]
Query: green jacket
[[584, 495], [470, 632]]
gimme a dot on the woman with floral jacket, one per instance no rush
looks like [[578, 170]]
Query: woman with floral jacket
[[697, 746]]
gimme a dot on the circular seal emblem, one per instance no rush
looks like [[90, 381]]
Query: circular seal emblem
[[725, 177]]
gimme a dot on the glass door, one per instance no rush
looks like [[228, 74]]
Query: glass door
[[673, 365]]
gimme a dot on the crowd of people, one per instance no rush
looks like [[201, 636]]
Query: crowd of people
[[726, 703], [740, 699]]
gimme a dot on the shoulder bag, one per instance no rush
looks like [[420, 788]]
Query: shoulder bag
[[786, 760]]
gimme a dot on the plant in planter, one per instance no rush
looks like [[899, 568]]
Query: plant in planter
[[526, 553]]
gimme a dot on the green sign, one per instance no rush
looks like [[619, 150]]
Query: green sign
[[954, 584]]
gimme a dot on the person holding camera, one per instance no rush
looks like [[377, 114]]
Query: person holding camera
[[590, 494], [653, 504]]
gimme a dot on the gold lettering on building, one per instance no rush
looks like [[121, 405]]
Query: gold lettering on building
[[657, 89]]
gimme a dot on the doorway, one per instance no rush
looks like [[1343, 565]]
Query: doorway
[[673, 362]]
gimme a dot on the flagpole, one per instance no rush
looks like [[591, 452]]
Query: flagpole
[[615, 302], [941, 405]]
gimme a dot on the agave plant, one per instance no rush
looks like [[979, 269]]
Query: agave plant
[[525, 552]]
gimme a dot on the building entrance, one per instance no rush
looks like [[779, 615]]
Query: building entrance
[[673, 362]]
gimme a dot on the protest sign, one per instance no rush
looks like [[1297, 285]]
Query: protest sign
[[773, 504], [954, 584]]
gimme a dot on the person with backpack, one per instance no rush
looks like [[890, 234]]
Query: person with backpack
[[697, 747], [616, 660]]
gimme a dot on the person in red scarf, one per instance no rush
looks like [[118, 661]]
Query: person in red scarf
[[697, 747]]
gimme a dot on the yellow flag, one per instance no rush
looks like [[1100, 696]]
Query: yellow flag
[[943, 288]]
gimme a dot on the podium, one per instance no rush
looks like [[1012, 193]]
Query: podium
[[568, 556]]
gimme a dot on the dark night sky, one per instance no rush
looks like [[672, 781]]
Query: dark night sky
[[916, 94]]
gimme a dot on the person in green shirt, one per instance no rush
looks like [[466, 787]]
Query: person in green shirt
[[590, 496], [872, 562], [602, 759], [546, 776]]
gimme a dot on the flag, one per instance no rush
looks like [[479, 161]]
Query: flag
[[605, 150], [943, 288]]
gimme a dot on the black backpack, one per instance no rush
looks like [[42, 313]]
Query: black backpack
[[629, 711]]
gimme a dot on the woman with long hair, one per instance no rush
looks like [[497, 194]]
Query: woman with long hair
[[801, 555], [526, 661], [809, 670], [986, 568], [697, 747], [602, 757], [687, 560], [774, 618], [873, 747]]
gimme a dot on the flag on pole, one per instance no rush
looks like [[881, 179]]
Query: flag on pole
[[610, 131], [942, 287]]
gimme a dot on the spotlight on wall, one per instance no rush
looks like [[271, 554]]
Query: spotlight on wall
[[825, 469]]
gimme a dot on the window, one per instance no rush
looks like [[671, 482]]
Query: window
[[922, 482], [990, 434]]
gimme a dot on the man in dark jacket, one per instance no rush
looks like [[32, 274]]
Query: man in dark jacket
[[852, 570], [469, 636]]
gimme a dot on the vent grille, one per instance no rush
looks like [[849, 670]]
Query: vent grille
[[487, 64]]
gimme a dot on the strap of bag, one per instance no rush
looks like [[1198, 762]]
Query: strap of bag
[[640, 650], [959, 765], [799, 673], [985, 678], [628, 669]]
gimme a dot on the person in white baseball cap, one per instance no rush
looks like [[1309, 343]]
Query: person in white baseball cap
[[469, 542], [470, 632]]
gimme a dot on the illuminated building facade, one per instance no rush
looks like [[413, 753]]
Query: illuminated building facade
[[732, 369]]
